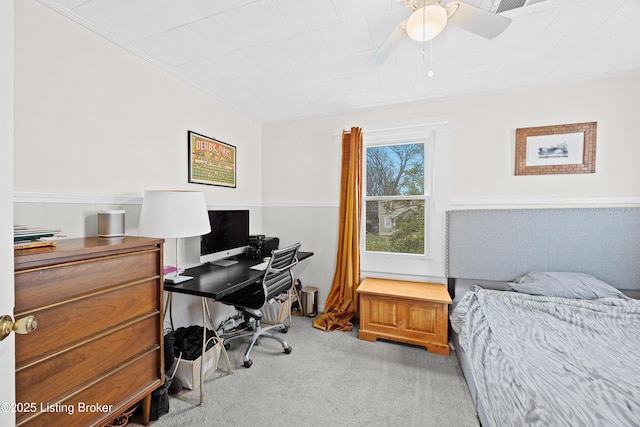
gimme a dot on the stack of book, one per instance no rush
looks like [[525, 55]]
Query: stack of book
[[27, 237]]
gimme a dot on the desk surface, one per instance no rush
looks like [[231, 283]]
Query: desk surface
[[212, 281]]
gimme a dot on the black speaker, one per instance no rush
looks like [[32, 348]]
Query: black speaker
[[261, 246], [270, 244], [254, 251]]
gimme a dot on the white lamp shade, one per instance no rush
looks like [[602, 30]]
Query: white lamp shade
[[173, 214], [427, 22]]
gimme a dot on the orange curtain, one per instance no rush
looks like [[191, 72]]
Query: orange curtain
[[342, 301]]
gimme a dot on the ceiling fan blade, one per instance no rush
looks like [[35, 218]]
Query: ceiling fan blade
[[389, 44], [476, 20]]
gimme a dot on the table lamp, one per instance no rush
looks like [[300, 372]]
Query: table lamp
[[174, 214]]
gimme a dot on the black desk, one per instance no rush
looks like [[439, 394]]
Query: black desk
[[212, 281]]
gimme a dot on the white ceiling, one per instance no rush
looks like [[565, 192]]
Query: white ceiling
[[275, 60]]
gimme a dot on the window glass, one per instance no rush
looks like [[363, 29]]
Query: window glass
[[395, 200]]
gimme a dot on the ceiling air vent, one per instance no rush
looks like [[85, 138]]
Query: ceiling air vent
[[504, 5]]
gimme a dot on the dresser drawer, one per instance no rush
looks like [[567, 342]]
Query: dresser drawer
[[102, 400], [61, 324], [98, 347], [43, 382], [47, 285]]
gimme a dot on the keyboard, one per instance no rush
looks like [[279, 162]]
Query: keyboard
[[260, 267]]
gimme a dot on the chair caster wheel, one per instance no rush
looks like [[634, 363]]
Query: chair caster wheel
[[248, 363], [287, 350], [284, 329]]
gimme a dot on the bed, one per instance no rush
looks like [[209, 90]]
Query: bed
[[546, 316]]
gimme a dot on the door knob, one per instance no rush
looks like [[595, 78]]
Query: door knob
[[26, 325]]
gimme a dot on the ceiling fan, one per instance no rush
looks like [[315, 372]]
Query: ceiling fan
[[429, 17]]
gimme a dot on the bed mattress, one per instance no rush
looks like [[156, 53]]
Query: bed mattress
[[538, 360]]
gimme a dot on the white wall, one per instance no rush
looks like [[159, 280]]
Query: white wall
[[94, 119], [484, 143]]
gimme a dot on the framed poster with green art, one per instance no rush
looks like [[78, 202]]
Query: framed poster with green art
[[211, 162]]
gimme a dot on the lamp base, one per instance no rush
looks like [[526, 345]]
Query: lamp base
[[177, 279]]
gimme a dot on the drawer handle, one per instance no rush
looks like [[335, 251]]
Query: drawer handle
[[26, 325]]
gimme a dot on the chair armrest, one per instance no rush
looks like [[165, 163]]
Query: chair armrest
[[280, 270]]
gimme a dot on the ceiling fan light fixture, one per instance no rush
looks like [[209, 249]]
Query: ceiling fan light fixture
[[427, 22]]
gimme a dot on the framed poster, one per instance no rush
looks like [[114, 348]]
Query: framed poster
[[559, 149], [211, 162]]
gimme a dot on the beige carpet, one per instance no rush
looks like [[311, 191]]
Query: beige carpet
[[329, 379]]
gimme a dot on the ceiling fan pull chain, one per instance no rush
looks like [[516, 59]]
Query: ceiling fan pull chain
[[430, 73]]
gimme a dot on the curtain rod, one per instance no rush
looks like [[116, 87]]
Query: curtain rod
[[441, 123]]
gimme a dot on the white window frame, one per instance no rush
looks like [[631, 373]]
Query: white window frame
[[430, 266]]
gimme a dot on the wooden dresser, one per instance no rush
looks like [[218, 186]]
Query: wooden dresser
[[97, 349], [410, 312]]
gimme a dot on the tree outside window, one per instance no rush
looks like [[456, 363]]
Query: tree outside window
[[395, 198]]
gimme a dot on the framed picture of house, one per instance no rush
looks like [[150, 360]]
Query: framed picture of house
[[558, 149], [211, 162]]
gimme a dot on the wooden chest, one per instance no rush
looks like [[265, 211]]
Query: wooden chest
[[97, 349], [410, 312]]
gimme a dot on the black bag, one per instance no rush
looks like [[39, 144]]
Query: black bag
[[169, 353], [187, 342], [160, 400], [160, 396], [175, 385]]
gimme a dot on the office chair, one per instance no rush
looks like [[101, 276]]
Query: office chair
[[277, 278]]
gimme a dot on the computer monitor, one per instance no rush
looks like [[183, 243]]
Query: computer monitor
[[229, 236]]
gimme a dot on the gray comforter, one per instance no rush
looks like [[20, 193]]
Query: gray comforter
[[550, 361]]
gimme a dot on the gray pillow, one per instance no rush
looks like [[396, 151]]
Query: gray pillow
[[565, 285]]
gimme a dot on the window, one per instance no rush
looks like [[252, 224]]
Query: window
[[397, 197], [403, 223]]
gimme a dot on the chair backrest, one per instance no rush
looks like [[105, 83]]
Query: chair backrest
[[277, 279], [278, 276]]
